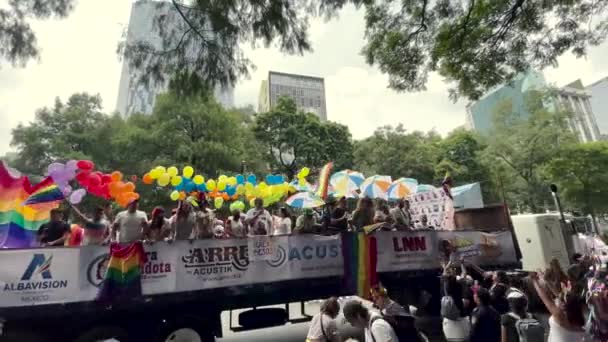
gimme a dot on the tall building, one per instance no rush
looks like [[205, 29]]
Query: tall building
[[574, 98], [134, 97], [480, 114], [599, 104], [308, 92]]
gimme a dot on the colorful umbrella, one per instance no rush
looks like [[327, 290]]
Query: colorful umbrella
[[304, 200], [346, 182], [376, 187], [305, 187], [402, 188], [425, 188]]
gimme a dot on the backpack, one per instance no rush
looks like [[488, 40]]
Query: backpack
[[449, 309], [405, 331], [529, 328]]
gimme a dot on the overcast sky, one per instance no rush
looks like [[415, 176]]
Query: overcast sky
[[79, 54]]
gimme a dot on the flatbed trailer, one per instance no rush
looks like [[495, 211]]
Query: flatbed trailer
[[48, 294]]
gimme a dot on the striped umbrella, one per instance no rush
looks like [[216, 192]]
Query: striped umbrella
[[402, 188], [425, 188], [346, 182], [304, 200], [301, 187], [376, 187]]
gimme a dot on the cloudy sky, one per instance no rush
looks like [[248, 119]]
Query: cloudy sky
[[79, 54]]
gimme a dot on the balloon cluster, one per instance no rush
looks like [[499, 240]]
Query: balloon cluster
[[108, 186], [302, 176], [222, 189]]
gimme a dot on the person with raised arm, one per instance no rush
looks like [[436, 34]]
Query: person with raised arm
[[96, 229]]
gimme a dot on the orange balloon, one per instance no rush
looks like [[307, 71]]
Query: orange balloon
[[129, 187], [182, 195], [147, 179], [114, 189], [225, 196], [116, 176]]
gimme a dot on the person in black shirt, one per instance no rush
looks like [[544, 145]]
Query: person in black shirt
[[55, 232], [498, 292], [485, 320]]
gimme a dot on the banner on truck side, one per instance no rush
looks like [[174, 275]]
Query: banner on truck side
[[482, 248], [398, 251], [38, 276]]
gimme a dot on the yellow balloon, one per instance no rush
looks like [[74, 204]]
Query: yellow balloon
[[252, 202], [188, 171], [174, 195], [211, 185], [221, 185], [154, 173], [164, 179], [161, 169], [262, 185], [302, 182], [218, 202], [198, 179], [176, 180], [172, 171], [231, 181], [249, 187], [222, 178], [240, 189], [305, 172]]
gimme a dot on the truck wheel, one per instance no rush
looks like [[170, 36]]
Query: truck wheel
[[102, 333], [185, 329]]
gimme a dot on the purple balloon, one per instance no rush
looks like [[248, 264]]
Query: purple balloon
[[66, 189], [54, 168], [77, 196], [71, 165]]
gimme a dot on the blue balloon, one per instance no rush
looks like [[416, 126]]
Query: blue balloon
[[269, 179], [202, 187], [240, 179], [190, 186], [280, 179], [180, 187], [231, 190], [251, 179]]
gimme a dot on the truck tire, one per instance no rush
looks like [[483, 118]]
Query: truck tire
[[101, 333], [185, 329]]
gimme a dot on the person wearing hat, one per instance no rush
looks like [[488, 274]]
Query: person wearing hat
[[307, 223], [518, 307], [130, 224]]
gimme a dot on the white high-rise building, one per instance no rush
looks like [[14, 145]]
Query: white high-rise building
[[134, 97], [575, 99]]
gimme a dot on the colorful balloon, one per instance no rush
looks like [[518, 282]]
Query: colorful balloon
[[188, 171], [77, 196], [174, 195], [176, 180], [85, 165], [211, 185], [252, 179], [164, 179], [172, 171], [147, 179], [198, 179], [240, 179], [221, 185], [218, 202]]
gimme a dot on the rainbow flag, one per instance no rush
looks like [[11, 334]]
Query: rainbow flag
[[324, 180], [19, 222], [123, 275], [46, 194], [360, 252]]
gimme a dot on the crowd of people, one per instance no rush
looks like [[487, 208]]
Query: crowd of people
[[194, 219]]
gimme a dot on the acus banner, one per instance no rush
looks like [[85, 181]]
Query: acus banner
[[38, 276]]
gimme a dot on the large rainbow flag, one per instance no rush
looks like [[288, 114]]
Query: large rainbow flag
[[360, 252], [19, 222], [45, 194], [123, 275]]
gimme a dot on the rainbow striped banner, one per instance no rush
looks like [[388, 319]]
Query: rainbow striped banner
[[123, 275], [19, 222], [324, 180], [47, 194], [360, 252]]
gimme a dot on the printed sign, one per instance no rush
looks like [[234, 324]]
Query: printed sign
[[312, 256], [261, 248], [45, 275], [482, 248], [406, 251], [432, 209]]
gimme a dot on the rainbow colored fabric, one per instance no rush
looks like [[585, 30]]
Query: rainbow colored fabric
[[324, 180], [19, 222], [123, 275], [360, 252], [50, 193]]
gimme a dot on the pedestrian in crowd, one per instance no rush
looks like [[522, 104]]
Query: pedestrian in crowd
[[95, 228], [258, 219], [339, 217], [130, 224], [567, 318], [306, 223], [283, 226], [498, 292], [55, 232], [485, 320], [235, 225], [456, 326], [158, 225], [205, 225], [183, 222], [363, 214], [382, 301], [323, 327], [376, 328], [402, 219], [108, 213], [382, 214], [518, 321]]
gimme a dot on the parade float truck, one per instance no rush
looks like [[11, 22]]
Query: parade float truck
[[49, 294]]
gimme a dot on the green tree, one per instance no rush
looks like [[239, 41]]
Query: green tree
[[580, 172], [18, 42], [292, 139], [394, 152], [520, 147], [476, 44]]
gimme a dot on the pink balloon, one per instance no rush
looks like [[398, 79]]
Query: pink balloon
[[77, 196]]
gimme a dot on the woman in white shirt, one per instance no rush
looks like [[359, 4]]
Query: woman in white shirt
[[323, 327], [283, 226], [235, 226]]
